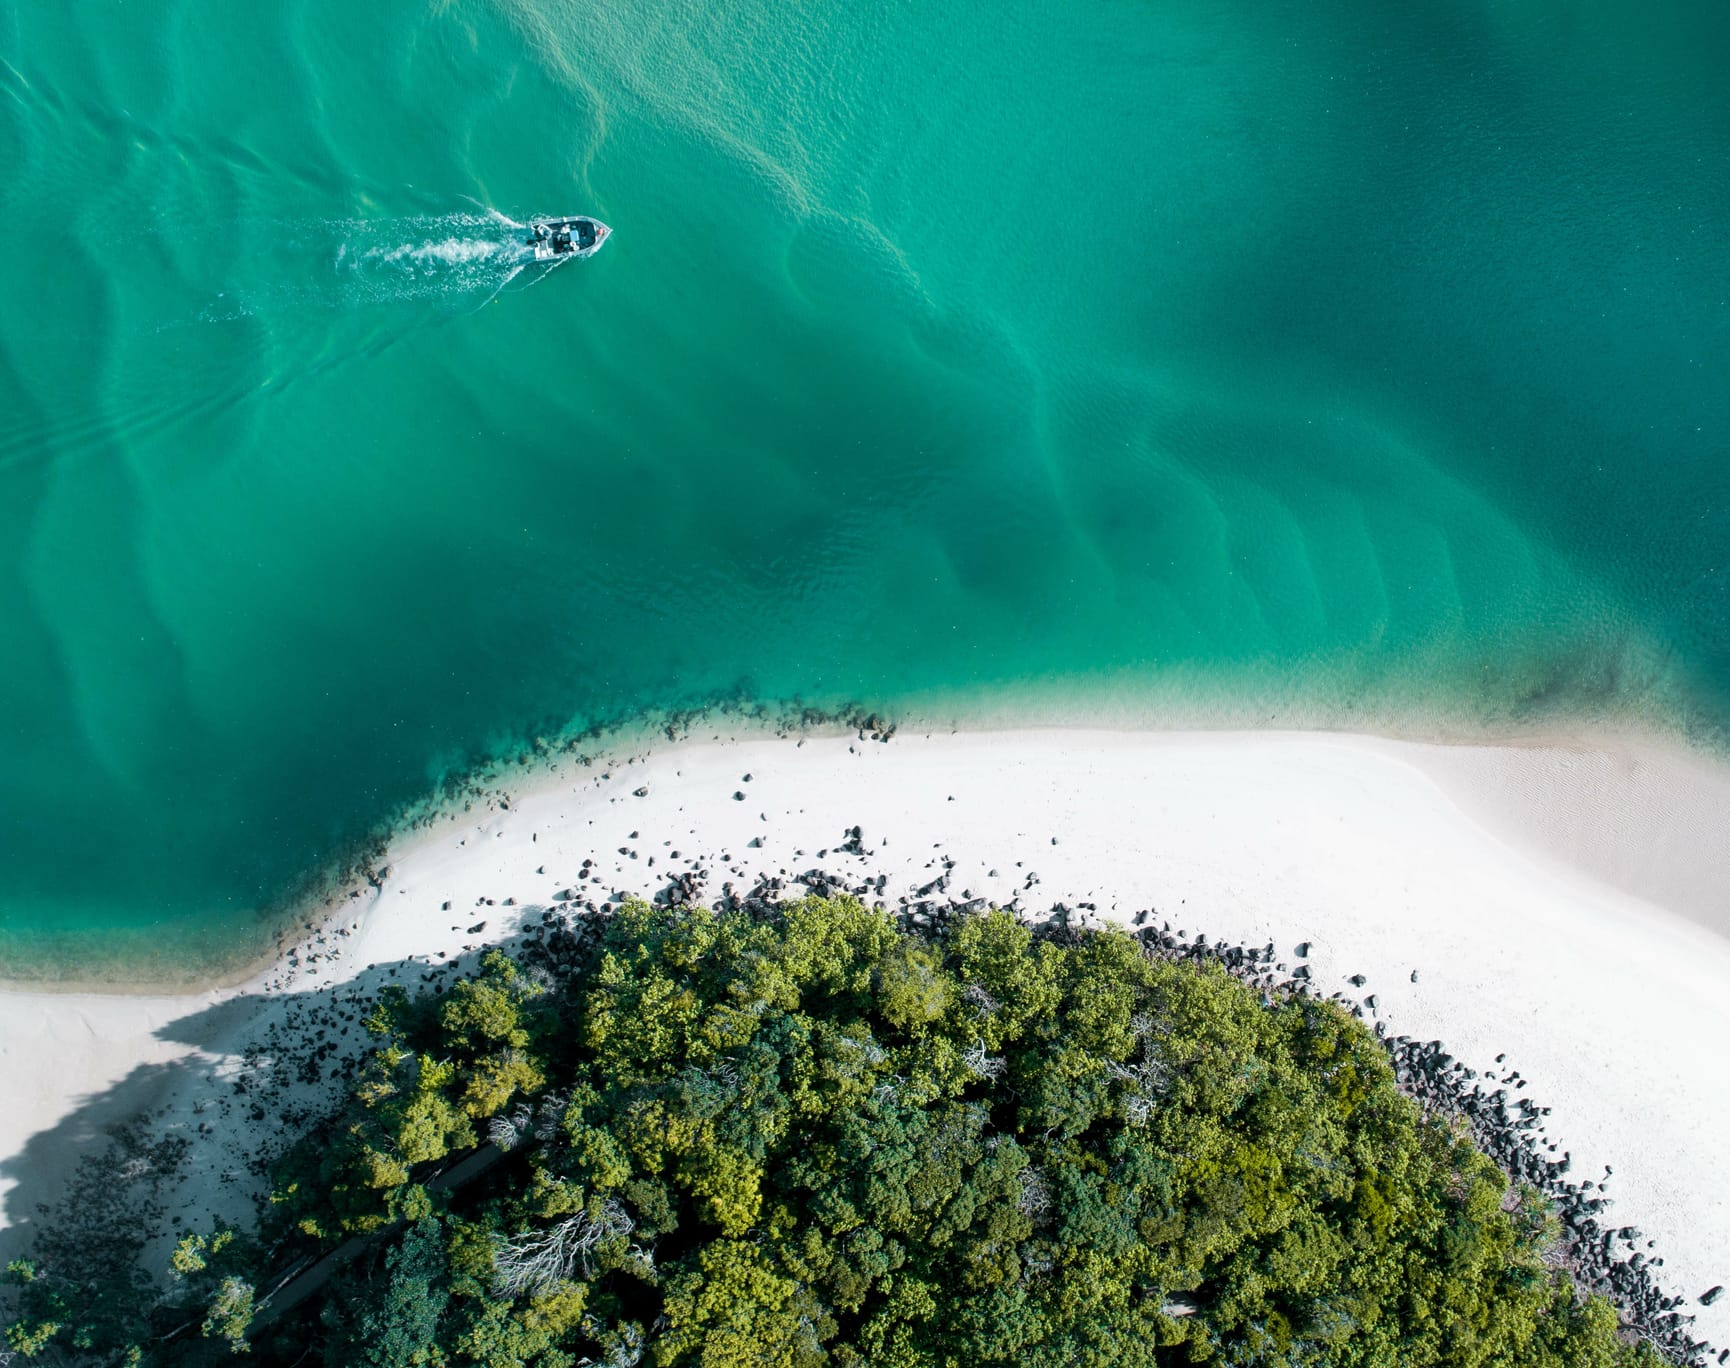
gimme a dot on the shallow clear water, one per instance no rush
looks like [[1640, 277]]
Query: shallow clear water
[[1305, 363]]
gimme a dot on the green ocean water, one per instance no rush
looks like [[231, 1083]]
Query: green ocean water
[[1361, 364]]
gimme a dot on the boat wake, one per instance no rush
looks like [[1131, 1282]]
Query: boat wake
[[327, 291], [457, 258], [444, 263]]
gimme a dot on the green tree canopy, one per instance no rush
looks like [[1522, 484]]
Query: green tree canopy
[[813, 1138]]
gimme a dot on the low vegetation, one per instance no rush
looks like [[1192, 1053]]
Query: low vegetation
[[810, 1138]]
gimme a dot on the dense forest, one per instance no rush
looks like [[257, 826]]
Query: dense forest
[[804, 1135]]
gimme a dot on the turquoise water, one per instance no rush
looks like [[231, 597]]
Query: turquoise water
[[1363, 364]]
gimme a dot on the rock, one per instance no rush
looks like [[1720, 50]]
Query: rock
[[1303, 950], [642, 792], [738, 795], [1357, 980]]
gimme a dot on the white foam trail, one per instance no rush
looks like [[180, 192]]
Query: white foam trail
[[451, 251], [458, 260], [449, 256]]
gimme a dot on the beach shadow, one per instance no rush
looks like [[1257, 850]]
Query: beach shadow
[[263, 1068]]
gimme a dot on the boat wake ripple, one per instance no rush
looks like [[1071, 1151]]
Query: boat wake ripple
[[449, 257]]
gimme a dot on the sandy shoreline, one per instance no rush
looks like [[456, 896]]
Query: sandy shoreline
[[1566, 906]]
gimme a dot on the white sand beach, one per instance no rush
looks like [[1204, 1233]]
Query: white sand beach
[[1567, 907]]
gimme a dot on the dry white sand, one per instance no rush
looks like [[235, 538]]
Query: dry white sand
[[1567, 907]]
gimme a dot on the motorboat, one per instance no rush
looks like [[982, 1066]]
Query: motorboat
[[556, 239]]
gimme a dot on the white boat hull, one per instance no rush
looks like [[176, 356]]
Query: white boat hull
[[568, 238]]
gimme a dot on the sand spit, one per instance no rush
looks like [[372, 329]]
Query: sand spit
[[1567, 909]]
